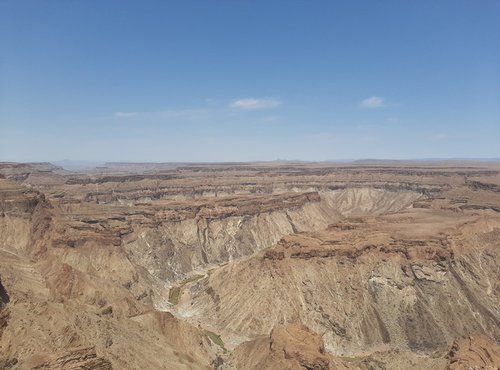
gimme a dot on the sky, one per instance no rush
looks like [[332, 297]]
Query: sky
[[192, 80]]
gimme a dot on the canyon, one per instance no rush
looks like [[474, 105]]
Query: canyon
[[266, 265]]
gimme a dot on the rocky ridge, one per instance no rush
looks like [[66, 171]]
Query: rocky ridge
[[88, 262]]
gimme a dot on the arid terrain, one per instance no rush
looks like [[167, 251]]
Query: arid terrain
[[272, 265]]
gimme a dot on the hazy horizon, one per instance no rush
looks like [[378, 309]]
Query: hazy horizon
[[88, 163], [154, 81]]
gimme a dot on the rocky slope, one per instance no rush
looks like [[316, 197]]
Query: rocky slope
[[375, 266], [292, 346], [474, 351], [66, 307], [232, 227], [414, 280]]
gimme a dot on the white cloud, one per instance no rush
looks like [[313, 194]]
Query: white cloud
[[253, 104], [124, 114], [372, 102]]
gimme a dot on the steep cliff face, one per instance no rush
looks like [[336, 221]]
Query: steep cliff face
[[218, 235], [19, 211], [414, 280], [67, 307], [300, 266]]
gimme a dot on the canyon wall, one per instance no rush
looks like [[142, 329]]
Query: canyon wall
[[231, 266]]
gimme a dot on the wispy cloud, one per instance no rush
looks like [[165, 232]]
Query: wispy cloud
[[254, 104], [372, 102], [125, 114]]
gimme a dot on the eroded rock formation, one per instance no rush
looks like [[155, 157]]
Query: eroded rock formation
[[292, 346], [214, 266]]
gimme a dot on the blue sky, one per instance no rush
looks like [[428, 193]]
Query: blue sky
[[249, 80]]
